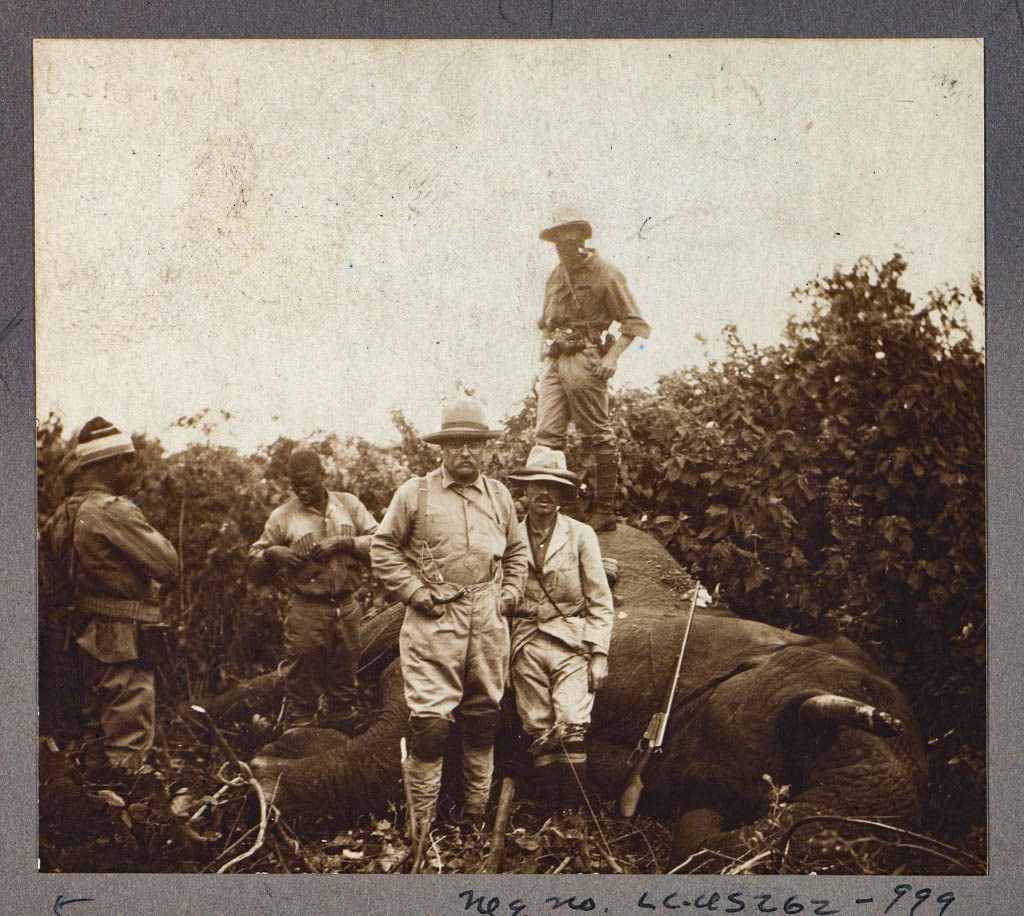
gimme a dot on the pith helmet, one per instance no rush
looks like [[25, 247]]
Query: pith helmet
[[99, 440], [546, 464], [462, 418], [567, 217]]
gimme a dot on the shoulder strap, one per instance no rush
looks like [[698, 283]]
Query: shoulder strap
[[420, 525], [494, 503], [547, 594], [582, 612], [72, 530], [572, 291]]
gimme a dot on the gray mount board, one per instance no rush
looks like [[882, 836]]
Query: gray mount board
[[998, 24]]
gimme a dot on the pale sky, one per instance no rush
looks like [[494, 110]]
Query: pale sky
[[309, 234]]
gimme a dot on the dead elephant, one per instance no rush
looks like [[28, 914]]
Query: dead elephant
[[756, 708]]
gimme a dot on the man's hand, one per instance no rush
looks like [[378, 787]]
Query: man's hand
[[338, 543], [598, 671], [282, 556], [606, 368], [508, 604], [423, 601]]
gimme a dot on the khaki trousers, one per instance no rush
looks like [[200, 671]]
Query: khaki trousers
[[321, 653], [569, 390], [552, 688], [458, 660]]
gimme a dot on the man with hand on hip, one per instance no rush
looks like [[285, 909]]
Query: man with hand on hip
[[584, 296], [450, 547]]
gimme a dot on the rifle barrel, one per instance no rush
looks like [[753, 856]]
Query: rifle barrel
[[666, 707]]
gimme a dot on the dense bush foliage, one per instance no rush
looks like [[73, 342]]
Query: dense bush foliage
[[833, 483]]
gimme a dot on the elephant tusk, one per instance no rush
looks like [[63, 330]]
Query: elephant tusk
[[829, 710]]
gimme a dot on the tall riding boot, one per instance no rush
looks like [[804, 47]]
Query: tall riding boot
[[606, 476], [572, 779], [545, 785], [477, 770], [424, 778]]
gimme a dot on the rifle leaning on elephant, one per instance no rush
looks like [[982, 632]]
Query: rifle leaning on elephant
[[654, 734]]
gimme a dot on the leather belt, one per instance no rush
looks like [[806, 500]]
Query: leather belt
[[324, 599]]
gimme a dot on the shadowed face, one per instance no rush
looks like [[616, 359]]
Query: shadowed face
[[308, 485], [542, 499], [463, 458], [126, 475], [568, 243]]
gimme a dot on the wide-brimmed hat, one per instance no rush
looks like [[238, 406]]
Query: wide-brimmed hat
[[462, 418], [99, 440], [567, 217], [546, 464]]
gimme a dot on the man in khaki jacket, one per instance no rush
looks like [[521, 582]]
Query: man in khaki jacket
[[560, 635], [450, 547], [114, 562], [584, 296]]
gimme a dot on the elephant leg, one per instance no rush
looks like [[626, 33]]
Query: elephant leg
[[692, 828]]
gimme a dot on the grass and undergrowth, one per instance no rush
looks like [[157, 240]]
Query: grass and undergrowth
[[196, 812]]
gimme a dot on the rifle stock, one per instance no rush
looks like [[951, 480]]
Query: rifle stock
[[634, 785]]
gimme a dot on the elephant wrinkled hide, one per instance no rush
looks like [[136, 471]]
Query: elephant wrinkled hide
[[735, 736]]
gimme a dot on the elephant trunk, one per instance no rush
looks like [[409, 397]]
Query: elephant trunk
[[827, 710], [346, 780]]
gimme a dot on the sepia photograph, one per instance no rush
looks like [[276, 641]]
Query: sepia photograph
[[535, 457]]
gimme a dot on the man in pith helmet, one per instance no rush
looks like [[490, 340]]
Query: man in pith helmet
[[115, 562], [317, 544], [584, 296], [450, 547], [561, 632]]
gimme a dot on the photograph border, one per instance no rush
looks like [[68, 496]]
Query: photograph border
[[1000, 24]]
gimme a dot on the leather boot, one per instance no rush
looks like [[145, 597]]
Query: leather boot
[[572, 779], [606, 476], [545, 787], [424, 778], [477, 770]]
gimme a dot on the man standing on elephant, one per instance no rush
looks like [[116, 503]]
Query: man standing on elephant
[[113, 561], [560, 636], [451, 548], [584, 295], [318, 543]]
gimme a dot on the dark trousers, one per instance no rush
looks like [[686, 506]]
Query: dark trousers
[[321, 653], [119, 709]]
